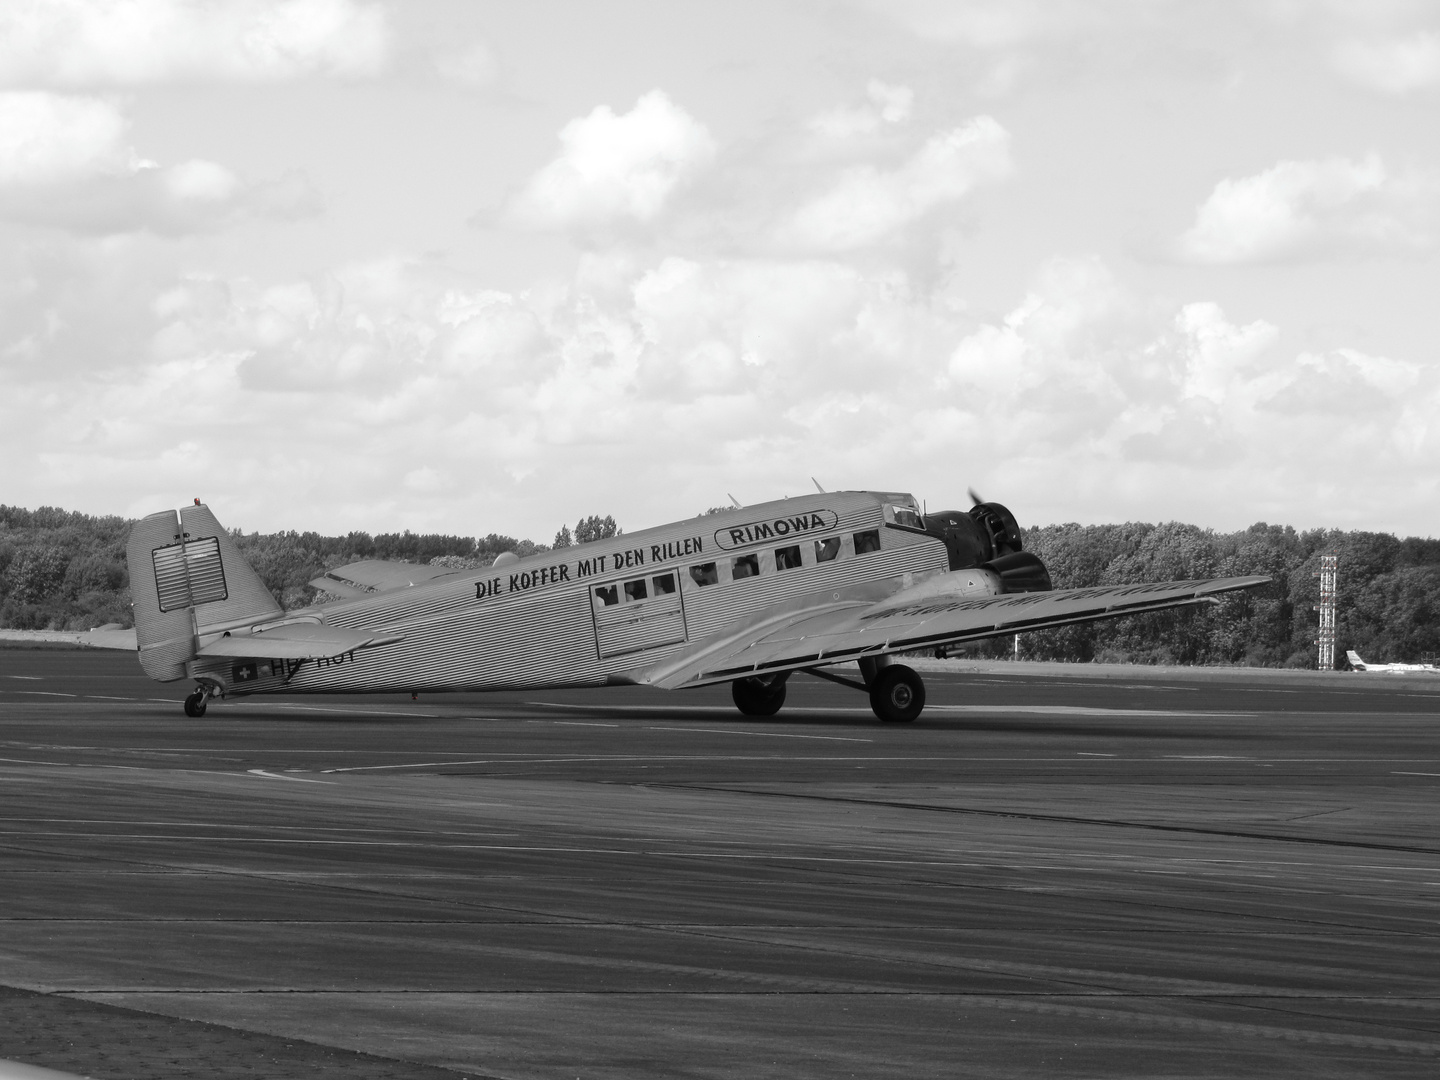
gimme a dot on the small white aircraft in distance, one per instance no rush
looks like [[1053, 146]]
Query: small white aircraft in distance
[[1361, 665], [747, 596]]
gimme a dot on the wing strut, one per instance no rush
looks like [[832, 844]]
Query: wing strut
[[830, 676]]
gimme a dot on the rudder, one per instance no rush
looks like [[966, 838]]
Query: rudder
[[186, 577]]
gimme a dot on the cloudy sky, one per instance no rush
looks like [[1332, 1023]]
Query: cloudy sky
[[474, 267]]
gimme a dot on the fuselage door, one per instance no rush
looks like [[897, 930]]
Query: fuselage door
[[637, 614]]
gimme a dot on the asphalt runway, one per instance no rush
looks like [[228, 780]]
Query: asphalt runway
[[1055, 872]]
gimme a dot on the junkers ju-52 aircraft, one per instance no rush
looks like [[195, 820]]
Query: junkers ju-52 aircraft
[[747, 596]]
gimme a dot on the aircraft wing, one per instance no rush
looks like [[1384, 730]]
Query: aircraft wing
[[298, 641], [374, 576], [851, 626]]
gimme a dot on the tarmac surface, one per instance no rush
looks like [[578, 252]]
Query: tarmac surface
[[1057, 871]]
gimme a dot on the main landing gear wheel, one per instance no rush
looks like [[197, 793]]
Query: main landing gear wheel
[[195, 704], [754, 697], [897, 694]]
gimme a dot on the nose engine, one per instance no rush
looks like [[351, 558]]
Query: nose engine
[[988, 536]]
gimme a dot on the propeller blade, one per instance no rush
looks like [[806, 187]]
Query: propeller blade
[[974, 497]]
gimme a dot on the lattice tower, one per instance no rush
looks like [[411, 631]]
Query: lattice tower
[[1329, 575]]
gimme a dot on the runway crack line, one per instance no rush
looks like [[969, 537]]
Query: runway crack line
[[1043, 1003], [1021, 815]]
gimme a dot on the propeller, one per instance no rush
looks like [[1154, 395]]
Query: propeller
[[974, 496]]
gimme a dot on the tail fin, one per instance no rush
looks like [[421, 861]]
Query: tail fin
[[187, 575], [1354, 658]]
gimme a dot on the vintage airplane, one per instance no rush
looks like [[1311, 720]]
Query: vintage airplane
[[1394, 669], [747, 596]]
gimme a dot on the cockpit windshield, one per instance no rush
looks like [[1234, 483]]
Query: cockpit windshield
[[904, 514]]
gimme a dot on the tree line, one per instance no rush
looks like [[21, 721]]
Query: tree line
[[65, 570], [1388, 605]]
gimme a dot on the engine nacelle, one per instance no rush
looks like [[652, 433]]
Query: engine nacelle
[[974, 582], [989, 538]]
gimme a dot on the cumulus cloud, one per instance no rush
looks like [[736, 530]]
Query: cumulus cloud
[[1105, 400], [1298, 209], [352, 385], [863, 179], [1393, 65], [1064, 364], [616, 167], [887, 105], [869, 205], [65, 162], [49, 137], [398, 390], [87, 43]]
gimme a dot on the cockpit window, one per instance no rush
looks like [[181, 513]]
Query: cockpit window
[[867, 541], [906, 517]]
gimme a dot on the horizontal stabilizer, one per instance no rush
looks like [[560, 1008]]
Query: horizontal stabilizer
[[298, 641], [374, 576], [109, 637]]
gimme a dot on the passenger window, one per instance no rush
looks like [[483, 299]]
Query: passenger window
[[704, 574], [827, 549], [745, 566], [635, 590], [664, 584], [787, 558], [867, 541], [608, 595]]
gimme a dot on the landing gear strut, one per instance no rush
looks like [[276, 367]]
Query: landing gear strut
[[897, 693], [757, 697], [196, 702]]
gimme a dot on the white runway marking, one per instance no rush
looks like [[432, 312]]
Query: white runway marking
[[1415, 774], [764, 734], [44, 693], [33, 678], [410, 765], [1080, 710], [277, 776], [679, 708], [1204, 757], [323, 708]]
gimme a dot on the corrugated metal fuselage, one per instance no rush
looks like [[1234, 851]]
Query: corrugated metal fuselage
[[585, 615]]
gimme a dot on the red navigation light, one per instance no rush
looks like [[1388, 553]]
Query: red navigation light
[[197, 502]]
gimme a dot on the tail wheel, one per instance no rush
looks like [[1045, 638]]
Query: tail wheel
[[897, 694], [755, 697], [195, 704]]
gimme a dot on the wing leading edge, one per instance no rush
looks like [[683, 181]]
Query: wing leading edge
[[849, 628]]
